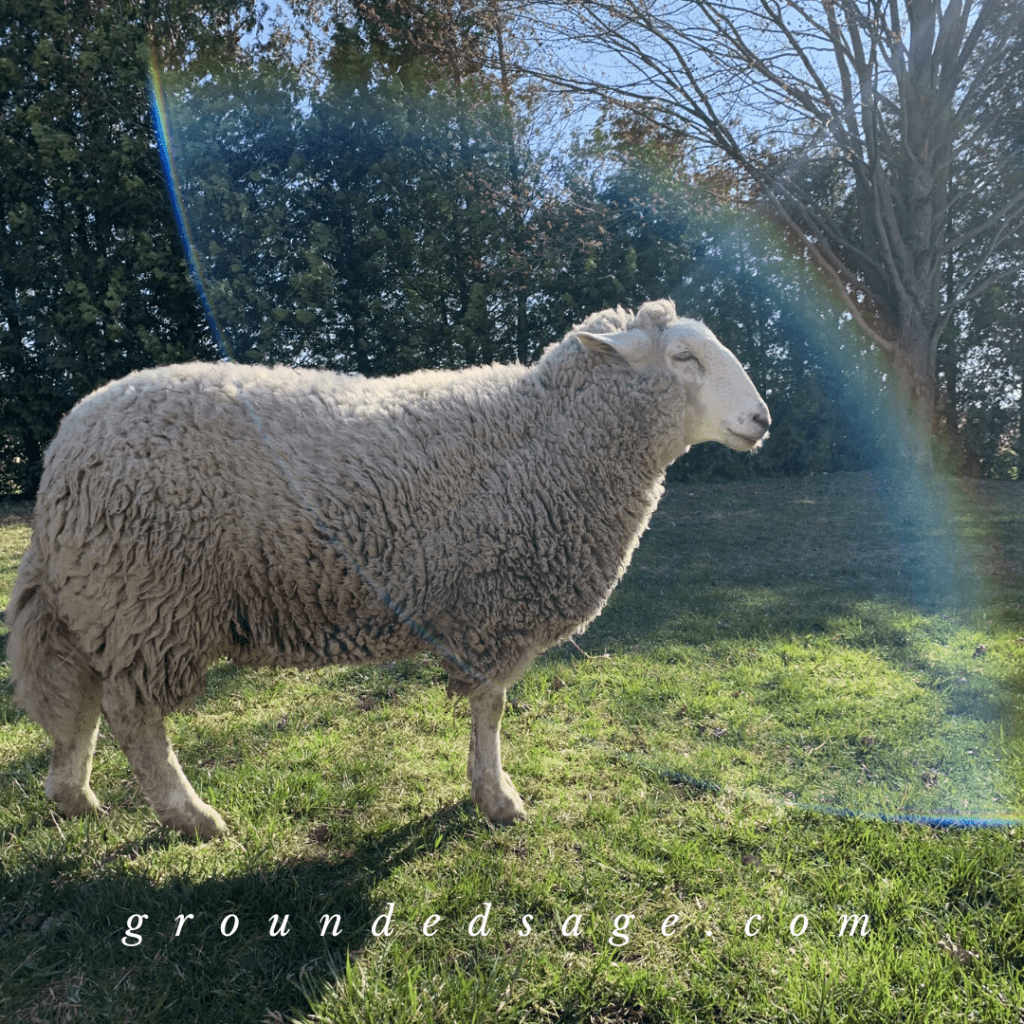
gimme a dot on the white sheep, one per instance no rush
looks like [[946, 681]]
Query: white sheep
[[298, 518]]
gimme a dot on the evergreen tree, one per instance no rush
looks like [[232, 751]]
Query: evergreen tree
[[372, 224], [93, 282]]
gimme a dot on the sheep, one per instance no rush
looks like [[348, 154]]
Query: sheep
[[298, 517]]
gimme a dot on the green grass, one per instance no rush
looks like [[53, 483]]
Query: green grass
[[781, 653]]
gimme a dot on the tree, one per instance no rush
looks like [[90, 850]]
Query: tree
[[369, 213], [93, 281], [878, 95], [465, 187]]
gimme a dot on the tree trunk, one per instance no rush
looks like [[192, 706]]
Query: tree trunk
[[914, 370], [918, 394]]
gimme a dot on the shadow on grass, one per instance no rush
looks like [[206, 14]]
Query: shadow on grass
[[814, 548], [87, 912]]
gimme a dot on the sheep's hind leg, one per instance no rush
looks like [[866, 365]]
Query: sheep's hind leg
[[492, 789], [56, 687], [74, 730], [144, 741]]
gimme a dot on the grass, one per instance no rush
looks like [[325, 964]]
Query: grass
[[796, 683]]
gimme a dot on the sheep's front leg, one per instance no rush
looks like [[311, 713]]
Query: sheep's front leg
[[492, 789]]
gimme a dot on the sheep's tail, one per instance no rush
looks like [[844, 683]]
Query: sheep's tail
[[46, 663]]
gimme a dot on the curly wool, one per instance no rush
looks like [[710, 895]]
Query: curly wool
[[295, 517]]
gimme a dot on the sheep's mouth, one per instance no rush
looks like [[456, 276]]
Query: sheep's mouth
[[747, 442]]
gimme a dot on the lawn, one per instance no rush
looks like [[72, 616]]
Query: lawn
[[777, 781]]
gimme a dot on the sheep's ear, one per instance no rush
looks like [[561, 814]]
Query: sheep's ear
[[628, 345]]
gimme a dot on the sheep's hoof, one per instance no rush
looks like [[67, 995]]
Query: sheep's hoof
[[509, 816], [201, 821], [500, 804], [78, 803]]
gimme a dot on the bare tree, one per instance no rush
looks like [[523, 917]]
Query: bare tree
[[880, 94]]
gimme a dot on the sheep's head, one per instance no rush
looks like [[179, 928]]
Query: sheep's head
[[721, 403]]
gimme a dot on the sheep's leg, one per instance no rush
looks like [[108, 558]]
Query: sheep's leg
[[144, 742], [74, 728], [492, 789], [56, 687]]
